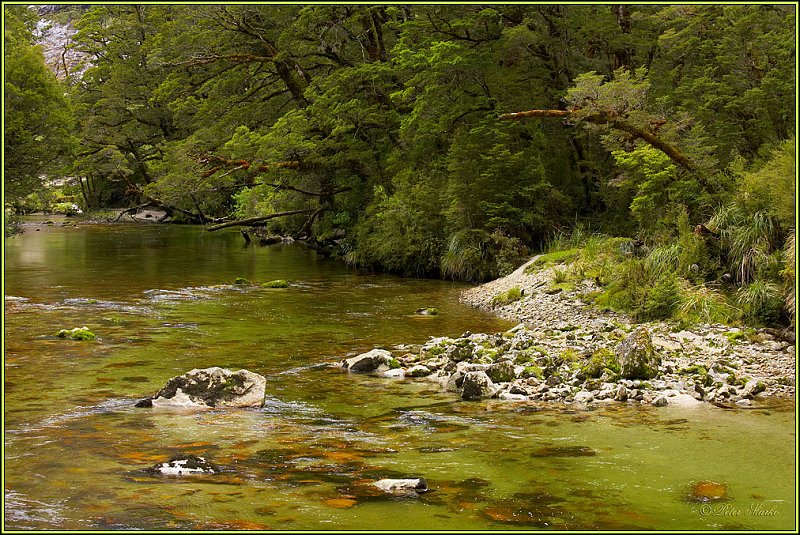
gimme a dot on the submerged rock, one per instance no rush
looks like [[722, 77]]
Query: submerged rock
[[636, 356], [280, 283], [184, 465], [426, 312], [707, 491], [210, 387], [403, 487], [369, 362]]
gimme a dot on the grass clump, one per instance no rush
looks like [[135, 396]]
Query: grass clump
[[509, 296]]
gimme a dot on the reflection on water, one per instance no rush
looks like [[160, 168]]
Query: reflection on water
[[162, 301]]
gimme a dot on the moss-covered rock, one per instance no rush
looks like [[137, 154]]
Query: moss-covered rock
[[211, 387], [279, 283], [533, 371], [601, 360], [426, 312], [636, 356], [241, 281], [501, 372], [78, 333]]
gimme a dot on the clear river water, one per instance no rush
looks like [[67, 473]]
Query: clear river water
[[161, 300]]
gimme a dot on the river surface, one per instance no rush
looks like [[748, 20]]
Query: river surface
[[162, 301]]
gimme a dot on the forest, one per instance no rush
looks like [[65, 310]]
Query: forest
[[449, 141]]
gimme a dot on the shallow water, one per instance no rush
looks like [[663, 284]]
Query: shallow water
[[162, 301]]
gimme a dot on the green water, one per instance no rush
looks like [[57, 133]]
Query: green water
[[161, 301]]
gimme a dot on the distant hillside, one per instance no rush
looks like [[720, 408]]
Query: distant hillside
[[54, 31]]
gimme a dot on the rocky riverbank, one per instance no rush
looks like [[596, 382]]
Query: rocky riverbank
[[565, 351]]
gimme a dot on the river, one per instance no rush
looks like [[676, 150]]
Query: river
[[161, 300]]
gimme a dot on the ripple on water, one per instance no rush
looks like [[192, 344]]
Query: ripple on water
[[20, 510]]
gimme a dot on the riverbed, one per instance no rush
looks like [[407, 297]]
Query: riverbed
[[163, 300]]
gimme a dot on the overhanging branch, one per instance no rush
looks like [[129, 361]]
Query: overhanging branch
[[607, 118], [256, 221]]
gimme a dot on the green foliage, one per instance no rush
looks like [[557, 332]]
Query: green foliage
[[38, 119], [761, 301]]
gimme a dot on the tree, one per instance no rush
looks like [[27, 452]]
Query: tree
[[38, 118]]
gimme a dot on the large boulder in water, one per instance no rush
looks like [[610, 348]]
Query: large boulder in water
[[210, 387], [636, 356], [371, 361]]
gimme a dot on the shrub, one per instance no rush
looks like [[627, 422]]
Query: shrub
[[761, 301]]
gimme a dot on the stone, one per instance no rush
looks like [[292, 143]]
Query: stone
[[459, 352], [184, 464], [477, 385], [501, 372], [744, 402], [509, 396], [411, 487], [454, 381], [683, 400], [636, 356], [368, 362], [621, 394], [660, 401], [426, 312], [584, 397], [210, 387], [753, 387], [418, 371], [395, 373]]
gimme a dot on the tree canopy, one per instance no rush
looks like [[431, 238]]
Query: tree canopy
[[384, 130]]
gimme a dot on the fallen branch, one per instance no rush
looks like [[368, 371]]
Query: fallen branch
[[256, 221]]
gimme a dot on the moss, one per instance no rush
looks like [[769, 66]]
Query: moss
[[78, 333], [484, 354], [601, 360], [504, 298], [568, 356], [736, 336], [556, 257], [533, 371], [279, 283], [394, 363], [566, 286], [241, 281], [694, 369], [435, 351]]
